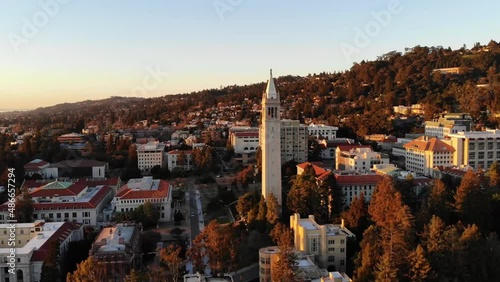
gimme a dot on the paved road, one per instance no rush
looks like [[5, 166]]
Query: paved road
[[195, 216]]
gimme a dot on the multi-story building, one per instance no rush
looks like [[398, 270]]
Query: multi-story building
[[137, 191], [415, 109], [72, 141], [478, 149], [326, 242], [358, 158], [328, 147], [79, 201], [321, 130], [270, 142], [118, 247], [150, 155], [353, 185], [294, 139], [448, 124], [77, 168], [32, 243], [424, 153], [180, 159], [244, 139], [36, 166], [305, 270]]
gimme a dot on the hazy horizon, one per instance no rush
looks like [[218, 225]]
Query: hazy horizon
[[90, 50]]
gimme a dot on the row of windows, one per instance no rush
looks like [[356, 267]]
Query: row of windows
[[141, 201], [60, 215]]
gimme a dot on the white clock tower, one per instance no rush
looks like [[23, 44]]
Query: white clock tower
[[270, 141]]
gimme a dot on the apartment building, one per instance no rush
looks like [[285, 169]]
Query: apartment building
[[294, 139], [150, 155], [424, 153], [326, 242]]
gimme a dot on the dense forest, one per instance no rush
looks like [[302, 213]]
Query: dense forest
[[360, 98]]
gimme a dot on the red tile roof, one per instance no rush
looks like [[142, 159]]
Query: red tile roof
[[126, 193], [358, 179], [433, 144], [91, 204], [72, 190], [35, 164], [316, 166], [61, 234]]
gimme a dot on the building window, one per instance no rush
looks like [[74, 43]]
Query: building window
[[342, 262], [331, 258], [314, 245], [331, 249], [342, 241], [342, 250]]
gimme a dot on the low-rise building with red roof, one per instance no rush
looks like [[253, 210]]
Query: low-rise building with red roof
[[81, 202], [137, 191], [354, 185]]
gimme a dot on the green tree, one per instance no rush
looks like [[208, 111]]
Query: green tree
[[50, 266], [24, 207], [303, 197]]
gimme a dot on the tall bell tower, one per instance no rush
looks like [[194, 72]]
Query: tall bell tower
[[270, 141]]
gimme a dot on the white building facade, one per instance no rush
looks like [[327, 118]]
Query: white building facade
[[321, 130], [424, 153], [150, 155], [358, 158], [180, 159], [294, 139], [478, 149], [270, 142]]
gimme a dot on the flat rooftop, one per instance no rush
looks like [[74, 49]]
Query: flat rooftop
[[112, 236]]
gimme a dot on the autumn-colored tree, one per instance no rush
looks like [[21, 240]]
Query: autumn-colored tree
[[420, 267], [369, 255], [471, 201], [136, 276], [386, 270], [171, 257], [396, 225], [89, 270], [220, 244], [284, 268], [356, 217], [331, 197], [273, 209], [246, 206], [261, 216], [157, 274], [494, 175], [181, 159]]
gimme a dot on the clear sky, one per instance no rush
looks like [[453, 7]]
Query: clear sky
[[75, 50]]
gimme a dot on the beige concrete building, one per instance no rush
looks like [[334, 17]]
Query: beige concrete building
[[358, 158], [32, 242], [478, 149], [326, 242], [321, 130], [448, 124], [150, 155], [294, 138], [270, 132], [424, 153]]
